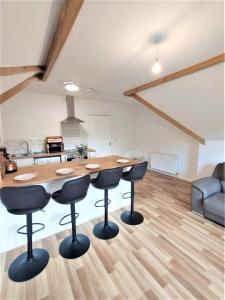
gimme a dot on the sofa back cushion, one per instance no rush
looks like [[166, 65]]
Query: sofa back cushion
[[207, 186], [223, 186], [219, 171]]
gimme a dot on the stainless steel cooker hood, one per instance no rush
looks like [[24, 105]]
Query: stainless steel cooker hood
[[71, 112]]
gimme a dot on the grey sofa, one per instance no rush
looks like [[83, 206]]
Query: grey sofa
[[208, 196]]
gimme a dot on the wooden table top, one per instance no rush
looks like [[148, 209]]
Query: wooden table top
[[46, 173]]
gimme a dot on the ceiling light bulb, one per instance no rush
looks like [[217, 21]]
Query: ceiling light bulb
[[156, 68], [71, 86]]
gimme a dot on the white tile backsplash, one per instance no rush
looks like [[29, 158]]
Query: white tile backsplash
[[15, 146], [36, 145]]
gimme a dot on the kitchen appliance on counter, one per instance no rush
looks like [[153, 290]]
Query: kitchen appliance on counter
[[10, 166], [54, 144], [3, 150]]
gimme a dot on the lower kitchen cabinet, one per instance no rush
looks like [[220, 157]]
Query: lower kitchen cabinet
[[24, 162]]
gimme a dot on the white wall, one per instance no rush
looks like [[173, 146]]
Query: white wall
[[36, 115], [134, 129], [157, 135], [29, 115], [209, 156]]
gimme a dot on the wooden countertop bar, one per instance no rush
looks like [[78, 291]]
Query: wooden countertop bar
[[47, 173]]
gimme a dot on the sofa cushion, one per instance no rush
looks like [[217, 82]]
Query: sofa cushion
[[219, 171], [223, 186], [215, 205], [207, 186]]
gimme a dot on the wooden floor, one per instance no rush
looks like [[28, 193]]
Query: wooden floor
[[174, 254]]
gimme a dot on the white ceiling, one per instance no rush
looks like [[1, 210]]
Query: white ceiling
[[110, 49], [26, 30], [110, 46], [196, 101]]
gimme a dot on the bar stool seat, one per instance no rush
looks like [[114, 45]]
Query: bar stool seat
[[136, 173], [72, 192], [107, 179], [26, 201]]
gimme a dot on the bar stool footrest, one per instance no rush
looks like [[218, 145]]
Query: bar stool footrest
[[20, 230], [66, 216], [126, 195], [102, 200]]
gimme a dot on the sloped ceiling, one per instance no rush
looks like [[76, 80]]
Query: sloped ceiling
[[195, 100], [110, 49], [27, 28]]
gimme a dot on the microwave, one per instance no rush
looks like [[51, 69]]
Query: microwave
[[54, 144], [55, 147]]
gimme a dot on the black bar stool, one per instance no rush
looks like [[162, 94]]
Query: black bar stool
[[107, 179], [25, 201], [72, 192], [136, 173]]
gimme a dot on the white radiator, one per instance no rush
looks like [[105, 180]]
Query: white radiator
[[163, 162]]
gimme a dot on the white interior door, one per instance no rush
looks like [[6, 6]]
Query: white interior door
[[99, 132]]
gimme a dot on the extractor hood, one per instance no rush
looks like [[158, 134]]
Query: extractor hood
[[70, 112]]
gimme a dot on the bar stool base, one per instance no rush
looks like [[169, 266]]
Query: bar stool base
[[23, 269], [105, 232], [69, 249], [134, 218]]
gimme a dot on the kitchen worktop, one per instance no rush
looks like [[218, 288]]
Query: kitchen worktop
[[47, 173], [45, 154], [38, 155]]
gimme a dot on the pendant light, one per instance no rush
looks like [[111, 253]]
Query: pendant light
[[156, 68]]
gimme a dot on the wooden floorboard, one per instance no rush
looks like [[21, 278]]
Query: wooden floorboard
[[174, 254]]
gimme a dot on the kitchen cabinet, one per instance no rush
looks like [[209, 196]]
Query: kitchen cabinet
[[49, 160], [29, 161], [24, 162]]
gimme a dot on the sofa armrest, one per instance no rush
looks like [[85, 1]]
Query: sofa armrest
[[207, 186], [197, 201]]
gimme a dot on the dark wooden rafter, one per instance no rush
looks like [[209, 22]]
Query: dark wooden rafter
[[67, 18], [7, 71], [194, 68], [17, 88], [168, 118], [68, 15]]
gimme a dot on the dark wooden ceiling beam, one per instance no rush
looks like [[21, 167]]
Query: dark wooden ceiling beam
[[67, 18], [7, 71], [169, 119], [17, 88], [189, 70]]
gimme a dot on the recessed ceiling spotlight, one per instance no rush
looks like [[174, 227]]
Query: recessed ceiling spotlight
[[71, 86], [89, 90]]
